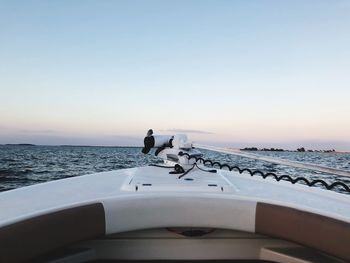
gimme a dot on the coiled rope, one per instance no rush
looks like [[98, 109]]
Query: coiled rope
[[266, 175]]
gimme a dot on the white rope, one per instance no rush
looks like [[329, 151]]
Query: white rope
[[308, 166]]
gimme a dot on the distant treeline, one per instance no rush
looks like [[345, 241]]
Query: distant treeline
[[20, 144], [68, 145], [301, 149]]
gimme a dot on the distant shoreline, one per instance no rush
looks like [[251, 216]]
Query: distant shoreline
[[301, 149], [19, 144], [66, 145], [249, 149]]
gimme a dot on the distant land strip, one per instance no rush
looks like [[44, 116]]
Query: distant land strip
[[301, 149]]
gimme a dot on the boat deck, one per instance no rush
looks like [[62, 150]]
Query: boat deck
[[101, 204], [149, 181]]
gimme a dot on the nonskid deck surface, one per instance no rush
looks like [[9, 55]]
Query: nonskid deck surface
[[160, 180]]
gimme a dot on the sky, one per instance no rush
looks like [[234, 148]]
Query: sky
[[227, 73]]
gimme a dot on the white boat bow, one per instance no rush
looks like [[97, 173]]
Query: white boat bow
[[147, 213]]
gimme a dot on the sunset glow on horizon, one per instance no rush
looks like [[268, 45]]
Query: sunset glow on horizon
[[230, 73]]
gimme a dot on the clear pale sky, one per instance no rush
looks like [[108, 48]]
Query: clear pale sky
[[233, 73]]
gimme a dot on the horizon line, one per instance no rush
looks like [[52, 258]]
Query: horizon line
[[124, 146]]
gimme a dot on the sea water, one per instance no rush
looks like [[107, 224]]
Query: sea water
[[26, 165]]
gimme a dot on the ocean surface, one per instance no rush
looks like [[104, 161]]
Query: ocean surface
[[26, 165]]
